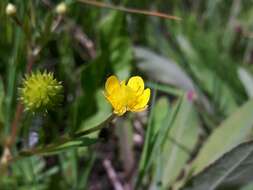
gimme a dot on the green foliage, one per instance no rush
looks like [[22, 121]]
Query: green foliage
[[234, 129], [192, 136], [228, 171]]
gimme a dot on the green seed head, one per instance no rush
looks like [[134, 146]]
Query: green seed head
[[40, 92]]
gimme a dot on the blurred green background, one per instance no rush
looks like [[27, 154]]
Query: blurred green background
[[200, 70]]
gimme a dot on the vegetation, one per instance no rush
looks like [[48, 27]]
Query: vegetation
[[61, 128]]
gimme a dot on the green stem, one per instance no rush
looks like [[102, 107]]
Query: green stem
[[100, 126], [63, 139]]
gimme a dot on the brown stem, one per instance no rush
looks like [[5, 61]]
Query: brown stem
[[7, 156], [129, 10], [47, 3], [17, 21], [14, 125], [82, 38], [30, 60]]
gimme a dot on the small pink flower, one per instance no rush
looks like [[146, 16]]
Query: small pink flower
[[191, 95]]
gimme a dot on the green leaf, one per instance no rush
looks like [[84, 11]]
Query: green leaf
[[232, 169], [147, 144], [121, 56], [234, 130], [155, 140], [116, 44], [247, 187], [247, 81], [103, 111], [162, 69], [206, 74], [159, 117], [180, 142]]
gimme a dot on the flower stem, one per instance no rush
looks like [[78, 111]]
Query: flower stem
[[99, 127]]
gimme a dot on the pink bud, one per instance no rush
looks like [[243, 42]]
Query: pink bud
[[191, 95]]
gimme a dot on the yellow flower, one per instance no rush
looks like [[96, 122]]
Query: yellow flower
[[127, 97]]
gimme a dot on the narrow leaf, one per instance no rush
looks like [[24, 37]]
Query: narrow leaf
[[229, 134], [234, 168]]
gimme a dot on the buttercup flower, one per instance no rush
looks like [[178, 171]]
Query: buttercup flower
[[127, 97], [40, 92]]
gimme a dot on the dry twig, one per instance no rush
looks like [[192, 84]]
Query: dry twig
[[129, 10], [112, 175]]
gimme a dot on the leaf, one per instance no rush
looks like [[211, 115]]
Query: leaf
[[180, 142], [205, 72], [247, 81], [147, 148], [233, 168], [84, 176], [156, 137], [103, 111], [162, 69], [121, 56], [159, 117], [247, 187], [116, 44], [229, 134], [32, 171]]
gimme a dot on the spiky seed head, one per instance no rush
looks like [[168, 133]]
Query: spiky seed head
[[40, 92]]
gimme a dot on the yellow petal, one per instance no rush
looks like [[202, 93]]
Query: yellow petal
[[120, 112], [136, 84], [141, 101], [111, 84], [118, 100], [114, 101]]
